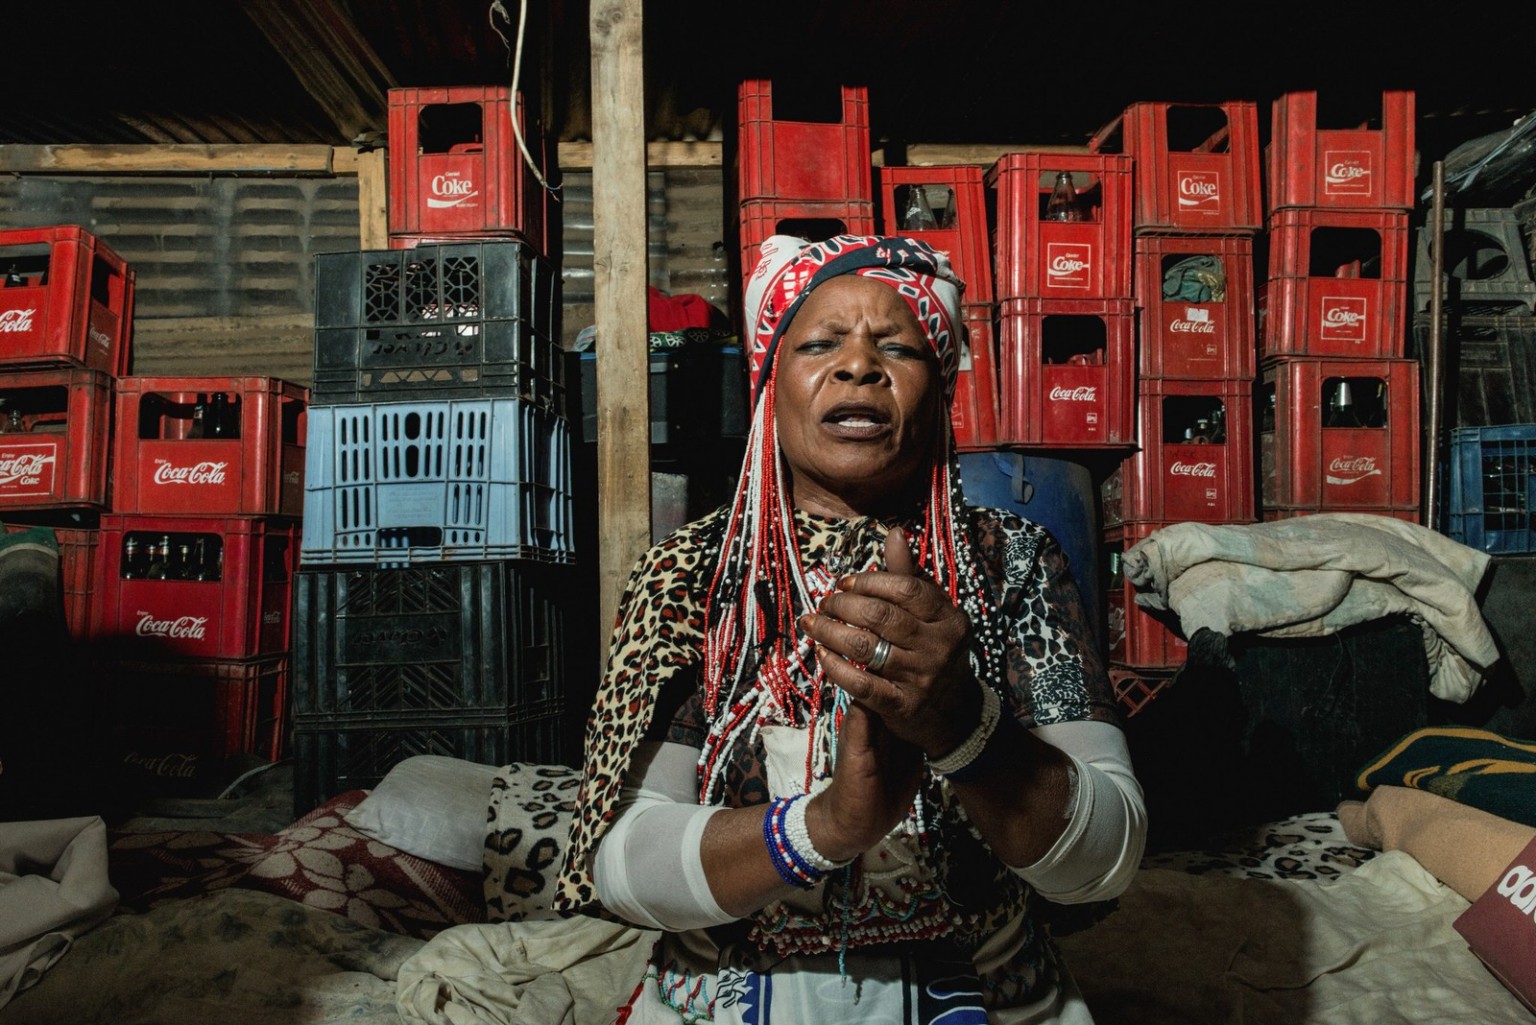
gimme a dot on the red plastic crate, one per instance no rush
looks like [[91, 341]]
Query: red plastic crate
[[1366, 166], [1197, 165], [66, 299], [1172, 480], [1134, 636], [1067, 373], [77, 581], [802, 161], [455, 168], [1190, 338], [164, 468], [241, 612], [974, 414], [1407, 515], [956, 195], [175, 724], [1307, 466], [1038, 259], [761, 219], [58, 458], [1318, 303]]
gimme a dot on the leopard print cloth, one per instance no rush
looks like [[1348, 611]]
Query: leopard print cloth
[[658, 647]]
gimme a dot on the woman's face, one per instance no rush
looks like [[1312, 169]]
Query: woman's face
[[857, 398]]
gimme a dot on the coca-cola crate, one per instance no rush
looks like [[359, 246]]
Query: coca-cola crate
[[1491, 488], [1134, 688], [1337, 284], [1492, 368], [77, 567], [1135, 636], [946, 207], [1486, 270], [1197, 165], [1367, 164], [209, 446], [470, 319], [176, 726], [1339, 435], [194, 587], [1034, 257], [455, 167], [1197, 306], [55, 439], [400, 483], [66, 299], [332, 755], [974, 413], [807, 161], [761, 219], [1067, 373], [1196, 456]]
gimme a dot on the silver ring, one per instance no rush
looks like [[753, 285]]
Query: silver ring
[[882, 652]]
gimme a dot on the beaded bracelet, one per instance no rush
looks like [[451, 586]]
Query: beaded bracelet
[[800, 838], [790, 863], [971, 747]]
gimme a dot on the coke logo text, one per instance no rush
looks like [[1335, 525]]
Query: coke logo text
[[1347, 172], [1066, 265], [1338, 316], [16, 321], [1192, 327], [205, 472], [183, 766], [1082, 393], [1180, 469], [24, 468], [1353, 464], [451, 190], [1199, 188], [193, 628], [98, 336]]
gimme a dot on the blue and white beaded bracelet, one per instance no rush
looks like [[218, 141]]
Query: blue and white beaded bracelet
[[794, 856]]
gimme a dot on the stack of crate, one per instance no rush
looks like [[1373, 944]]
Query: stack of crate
[[66, 323], [1489, 401], [808, 178], [191, 613], [1339, 403], [1197, 212], [434, 584]]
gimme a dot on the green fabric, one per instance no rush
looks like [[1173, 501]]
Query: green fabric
[[1475, 767], [1195, 279]]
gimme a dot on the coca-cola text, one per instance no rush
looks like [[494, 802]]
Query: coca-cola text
[[175, 764], [183, 628], [25, 468], [1082, 393], [205, 472], [1183, 469], [16, 321]]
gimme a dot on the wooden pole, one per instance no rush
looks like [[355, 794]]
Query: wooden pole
[[620, 277], [373, 200], [1434, 357]]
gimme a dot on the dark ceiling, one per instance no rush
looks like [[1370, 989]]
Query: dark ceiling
[[318, 71]]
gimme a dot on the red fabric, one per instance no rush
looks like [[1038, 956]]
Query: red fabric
[[676, 312]]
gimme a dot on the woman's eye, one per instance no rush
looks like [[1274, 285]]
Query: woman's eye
[[816, 345], [901, 350]]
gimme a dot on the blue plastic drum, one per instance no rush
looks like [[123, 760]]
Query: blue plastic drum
[[1059, 494]]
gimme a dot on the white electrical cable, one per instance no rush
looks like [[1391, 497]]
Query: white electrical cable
[[517, 64]]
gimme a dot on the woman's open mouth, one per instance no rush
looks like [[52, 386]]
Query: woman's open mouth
[[856, 421]]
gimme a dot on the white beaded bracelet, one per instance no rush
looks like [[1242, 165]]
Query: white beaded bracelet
[[799, 837], [971, 747]]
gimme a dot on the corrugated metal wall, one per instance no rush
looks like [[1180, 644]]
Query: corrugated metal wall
[[224, 265]]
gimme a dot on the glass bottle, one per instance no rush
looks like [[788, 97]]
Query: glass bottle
[[159, 559], [199, 428], [918, 215], [217, 416], [131, 568], [1340, 405], [1064, 204]]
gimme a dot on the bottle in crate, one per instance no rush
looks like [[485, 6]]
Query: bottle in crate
[[209, 446], [946, 207], [66, 299]]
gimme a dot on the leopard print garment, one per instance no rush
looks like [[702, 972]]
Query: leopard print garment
[[658, 648]]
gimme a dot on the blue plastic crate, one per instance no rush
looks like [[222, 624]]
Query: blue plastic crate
[[1491, 498], [400, 483], [471, 319]]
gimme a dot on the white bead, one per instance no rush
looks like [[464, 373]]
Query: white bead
[[971, 747]]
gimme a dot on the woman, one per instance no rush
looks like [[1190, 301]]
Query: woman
[[851, 728]]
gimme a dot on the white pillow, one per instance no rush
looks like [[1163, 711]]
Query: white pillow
[[432, 806]]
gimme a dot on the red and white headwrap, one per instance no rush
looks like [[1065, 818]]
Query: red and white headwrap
[[759, 585], [789, 269]]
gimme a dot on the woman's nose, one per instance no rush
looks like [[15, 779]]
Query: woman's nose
[[860, 363]]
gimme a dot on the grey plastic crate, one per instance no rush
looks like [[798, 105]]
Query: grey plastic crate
[[1487, 268]]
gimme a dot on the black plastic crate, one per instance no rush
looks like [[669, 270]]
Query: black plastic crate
[[1491, 368], [333, 755], [697, 393], [470, 319], [481, 637], [1487, 269]]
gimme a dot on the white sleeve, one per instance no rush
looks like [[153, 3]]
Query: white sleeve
[[647, 869], [1102, 846]]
